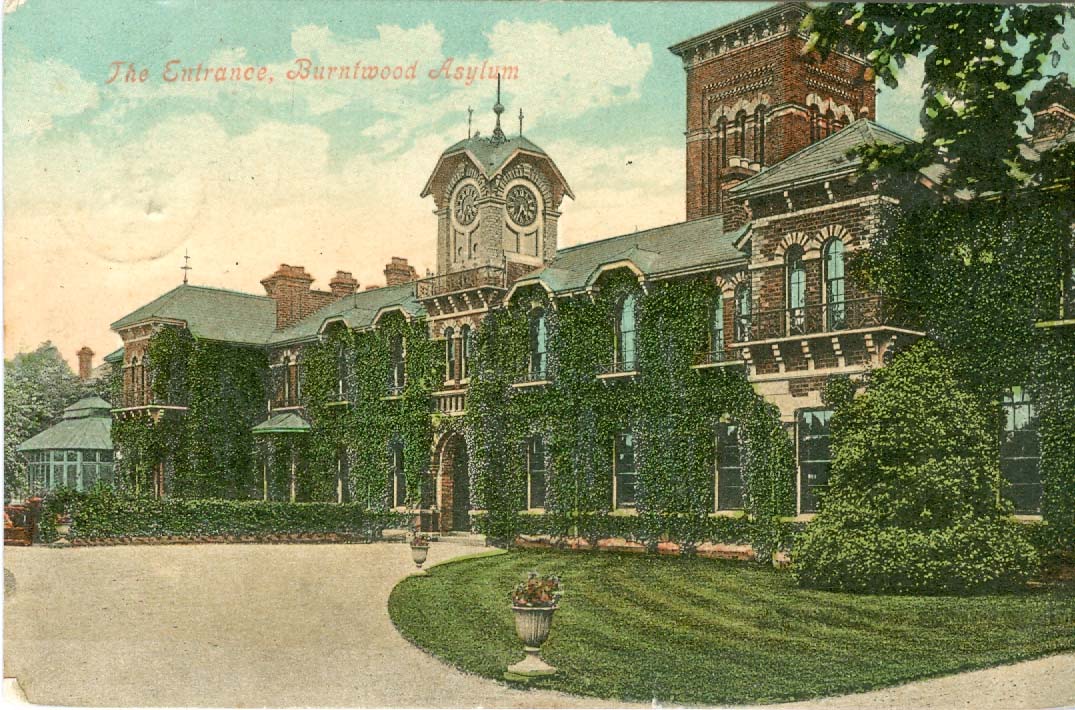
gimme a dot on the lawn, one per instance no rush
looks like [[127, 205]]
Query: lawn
[[696, 631]]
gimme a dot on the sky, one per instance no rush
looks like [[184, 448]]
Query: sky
[[108, 183]]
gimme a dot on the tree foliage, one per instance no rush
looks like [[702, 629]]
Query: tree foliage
[[914, 504], [980, 62]]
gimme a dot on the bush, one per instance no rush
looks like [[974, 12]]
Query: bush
[[105, 514], [913, 504]]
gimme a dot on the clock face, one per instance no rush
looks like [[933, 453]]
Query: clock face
[[522, 206], [466, 204]]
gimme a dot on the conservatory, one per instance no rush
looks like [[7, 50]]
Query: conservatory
[[75, 452]]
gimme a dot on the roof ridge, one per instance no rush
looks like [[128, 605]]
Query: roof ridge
[[217, 289], [714, 218]]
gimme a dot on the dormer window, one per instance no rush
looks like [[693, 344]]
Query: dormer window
[[397, 374], [539, 356], [625, 351]]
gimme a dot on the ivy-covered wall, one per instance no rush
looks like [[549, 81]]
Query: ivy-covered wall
[[670, 407]]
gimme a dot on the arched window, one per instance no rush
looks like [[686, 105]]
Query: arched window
[[464, 351], [742, 313], [626, 354], [716, 327], [449, 353], [397, 374], [741, 137], [835, 293], [830, 122], [796, 290], [539, 347], [759, 135], [398, 477], [815, 124]]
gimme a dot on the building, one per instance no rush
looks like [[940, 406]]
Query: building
[[75, 452], [774, 208]]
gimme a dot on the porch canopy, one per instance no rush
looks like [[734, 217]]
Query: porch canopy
[[282, 423]]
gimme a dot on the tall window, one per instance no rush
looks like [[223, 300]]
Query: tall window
[[722, 130], [796, 288], [830, 121], [342, 372], [729, 469], [716, 325], [465, 351], [449, 353], [815, 457], [835, 293], [742, 312], [741, 136], [1020, 452], [535, 472], [293, 382], [626, 352], [136, 383], [147, 383], [815, 124], [759, 135], [343, 476], [397, 374], [399, 478], [288, 373], [539, 338], [623, 470]]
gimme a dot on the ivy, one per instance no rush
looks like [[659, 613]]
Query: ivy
[[670, 407]]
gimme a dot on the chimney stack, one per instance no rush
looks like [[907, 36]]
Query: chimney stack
[[85, 363], [398, 271], [290, 288], [343, 284]]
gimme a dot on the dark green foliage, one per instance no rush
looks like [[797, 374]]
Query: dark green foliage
[[670, 407], [1056, 403], [981, 61], [102, 513], [703, 632], [913, 504]]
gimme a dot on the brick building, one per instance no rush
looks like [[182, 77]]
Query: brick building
[[774, 208]]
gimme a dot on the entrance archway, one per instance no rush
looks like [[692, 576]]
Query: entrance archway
[[454, 480]]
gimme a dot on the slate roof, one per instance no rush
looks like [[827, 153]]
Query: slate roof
[[358, 311], [114, 357], [282, 423], [491, 155], [211, 314], [822, 160], [662, 250], [86, 424]]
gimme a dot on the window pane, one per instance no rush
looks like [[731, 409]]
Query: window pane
[[814, 457], [1020, 451], [729, 468]]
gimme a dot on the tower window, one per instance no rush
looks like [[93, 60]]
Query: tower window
[[759, 135], [741, 137], [449, 353]]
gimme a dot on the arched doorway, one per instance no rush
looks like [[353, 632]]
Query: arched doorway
[[454, 484]]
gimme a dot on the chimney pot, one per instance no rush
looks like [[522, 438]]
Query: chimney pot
[[343, 284], [398, 271]]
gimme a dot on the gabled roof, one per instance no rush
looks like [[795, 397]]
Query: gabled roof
[[114, 357], [211, 314], [662, 250], [491, 155], [86, 424], [358, 310], [822, 160]]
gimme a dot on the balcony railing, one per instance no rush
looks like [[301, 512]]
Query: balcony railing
[[717, 357], [617, 368], [859, 313], [529, 376], [481, 277]]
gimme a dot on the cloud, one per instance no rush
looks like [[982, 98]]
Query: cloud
[[11, 6], [36, 92], [901, 107]]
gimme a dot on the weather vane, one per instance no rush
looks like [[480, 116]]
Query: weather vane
[[470, 117], [186, 267], [520, 122]]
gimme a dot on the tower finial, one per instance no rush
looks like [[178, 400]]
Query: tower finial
[[520, 122], [186, 267], [498, 108], [470, 117]]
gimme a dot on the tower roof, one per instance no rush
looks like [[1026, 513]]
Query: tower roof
[[491, 155]]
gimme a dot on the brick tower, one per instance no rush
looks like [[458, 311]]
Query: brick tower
[[753, 99]]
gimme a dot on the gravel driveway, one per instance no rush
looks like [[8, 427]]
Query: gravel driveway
[[303, 625]]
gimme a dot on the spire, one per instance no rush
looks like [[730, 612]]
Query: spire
[[498, 108], [186, 267]]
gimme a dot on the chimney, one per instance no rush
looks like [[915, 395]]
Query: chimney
[[343, 284], [290, 288], [372, 287], [85, 363], [398, 271]]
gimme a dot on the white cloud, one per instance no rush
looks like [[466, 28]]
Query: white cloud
[[36, 92], [900, 108]]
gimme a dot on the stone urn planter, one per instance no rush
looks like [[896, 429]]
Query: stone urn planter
[[63, 529], [533, 603], [419, 549]]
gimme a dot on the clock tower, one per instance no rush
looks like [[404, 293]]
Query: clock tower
[[497, 201]]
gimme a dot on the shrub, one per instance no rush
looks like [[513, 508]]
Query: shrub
[[913, 504]]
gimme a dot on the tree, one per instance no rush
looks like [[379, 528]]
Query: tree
[[37, 387], [980, 63], [913, 504]]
